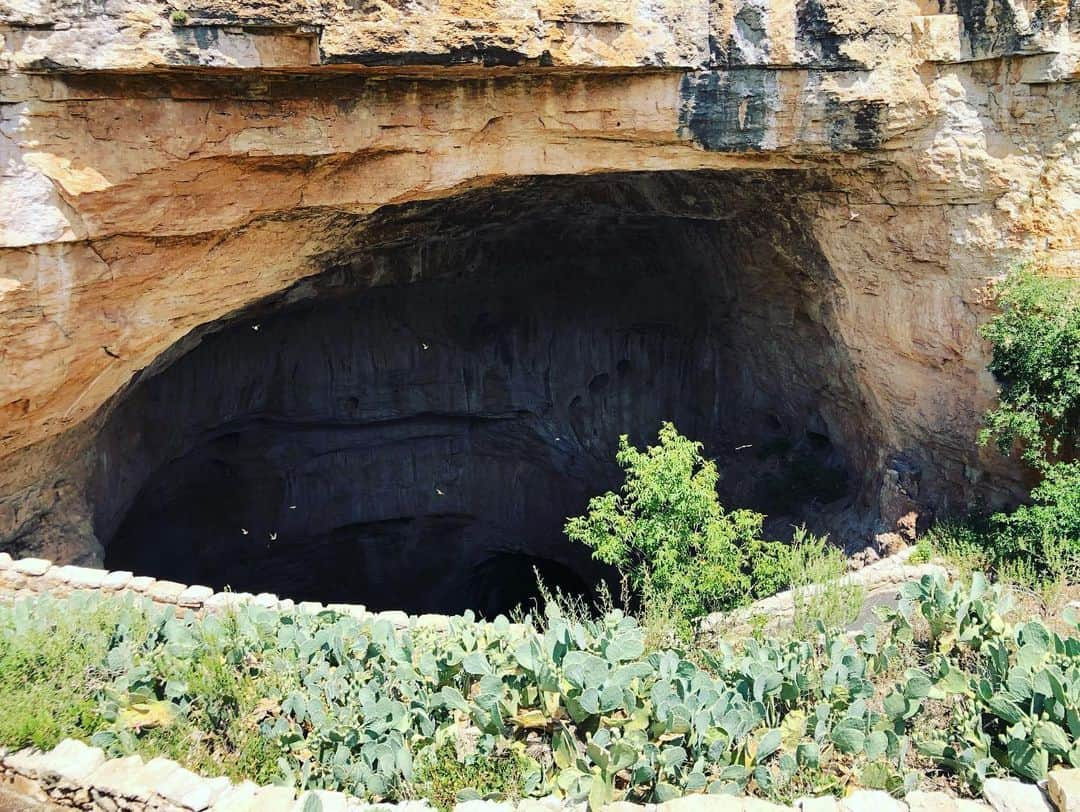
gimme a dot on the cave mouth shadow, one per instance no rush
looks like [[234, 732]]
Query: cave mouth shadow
[[413, 431], [257, 508]]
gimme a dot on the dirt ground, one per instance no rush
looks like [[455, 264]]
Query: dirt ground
[[11, 801]]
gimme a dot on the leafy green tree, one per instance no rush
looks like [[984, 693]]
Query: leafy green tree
[[1046, 532], [667, 532], [1036, 359]]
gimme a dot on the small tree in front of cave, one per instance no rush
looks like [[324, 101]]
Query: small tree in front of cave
[[670, 537]]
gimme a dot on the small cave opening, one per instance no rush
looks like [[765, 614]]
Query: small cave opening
[[411, 428]]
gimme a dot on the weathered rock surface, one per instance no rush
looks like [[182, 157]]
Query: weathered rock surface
[[879, 582], [432, 436], [920, 801], [1007, 795], [1063, 787], [871, 801], [176, 170]]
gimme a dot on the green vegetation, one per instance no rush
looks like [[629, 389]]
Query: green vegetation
[[1036, 358], [1011, 693], [1045, 535], [446, 776], [576, 708], [962, 543], [50, 673], [667, 532], [1036, 340], [178, 17], [823, 597]]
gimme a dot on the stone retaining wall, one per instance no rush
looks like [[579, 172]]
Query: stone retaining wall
[[74, 775], [34, 576], [26, 577]]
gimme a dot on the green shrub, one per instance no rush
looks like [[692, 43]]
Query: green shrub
[[964, 544], [444, 778], [1029, 546], [1046, 533], [1036, 359], [822, 595], [923, 552], [50, 669], [666, 529]]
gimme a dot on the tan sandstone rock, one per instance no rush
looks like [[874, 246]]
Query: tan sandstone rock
[[871, 800], [169, 165], [1063, 787], [1008, 795], [919, 801]]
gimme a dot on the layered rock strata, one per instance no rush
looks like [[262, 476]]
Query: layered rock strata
[[842, 177]]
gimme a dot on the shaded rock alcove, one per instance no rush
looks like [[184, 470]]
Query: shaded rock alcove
[[411, 428]]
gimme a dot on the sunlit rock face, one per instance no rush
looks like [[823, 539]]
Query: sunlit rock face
[[414, 432], [820, 193]]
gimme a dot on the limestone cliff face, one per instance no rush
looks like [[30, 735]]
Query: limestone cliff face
[[854, 170]]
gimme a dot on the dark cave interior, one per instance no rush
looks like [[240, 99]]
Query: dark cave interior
[[411, 428]]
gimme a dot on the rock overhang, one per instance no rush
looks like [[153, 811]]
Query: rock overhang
[[453, 388], [170, 165]]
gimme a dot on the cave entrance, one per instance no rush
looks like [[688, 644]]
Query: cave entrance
[[410, 429]]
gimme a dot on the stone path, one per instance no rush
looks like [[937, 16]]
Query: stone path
[[880, 582]]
